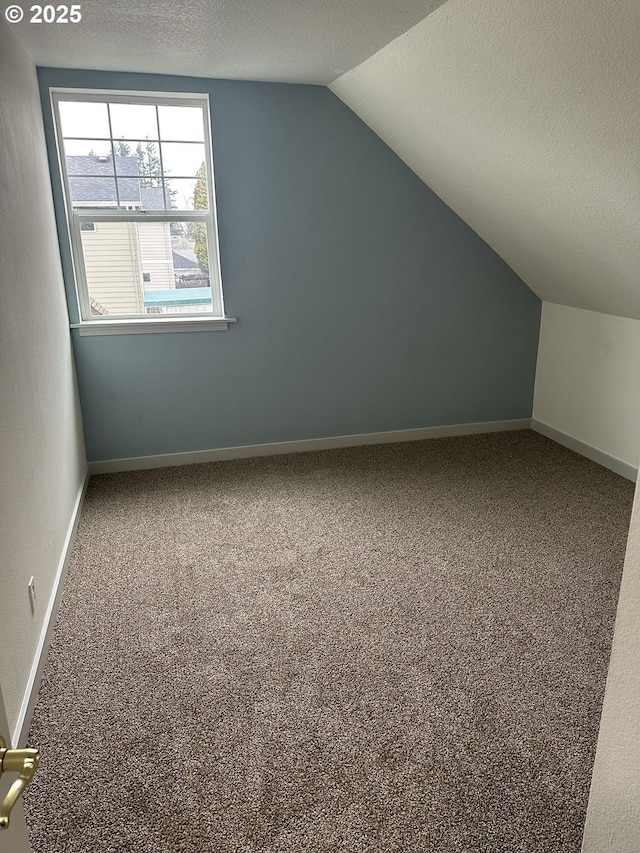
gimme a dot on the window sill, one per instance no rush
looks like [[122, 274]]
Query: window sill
[[144, 327]]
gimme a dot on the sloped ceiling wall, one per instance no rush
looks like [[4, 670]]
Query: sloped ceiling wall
[[524, 118]]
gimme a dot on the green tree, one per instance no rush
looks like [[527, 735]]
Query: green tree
[[148, 164], [122, 148], [200, 202]]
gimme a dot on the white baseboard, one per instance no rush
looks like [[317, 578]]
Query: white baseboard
[[30, 697], [584, 449], [137, 463]]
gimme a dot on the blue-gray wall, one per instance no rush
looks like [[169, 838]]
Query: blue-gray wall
[[363, 302]]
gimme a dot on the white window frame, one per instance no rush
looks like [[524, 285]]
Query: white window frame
[[89, 324]]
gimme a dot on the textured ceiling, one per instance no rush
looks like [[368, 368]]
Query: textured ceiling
[[296, 41], [525, 119]]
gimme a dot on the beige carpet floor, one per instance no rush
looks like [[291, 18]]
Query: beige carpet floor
[[395, 649]]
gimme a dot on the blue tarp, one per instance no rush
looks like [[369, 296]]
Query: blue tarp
[[183, 296]]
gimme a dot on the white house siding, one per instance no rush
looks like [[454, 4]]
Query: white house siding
[[156, 254], [112, 262]]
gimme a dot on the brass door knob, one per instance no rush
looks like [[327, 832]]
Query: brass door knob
[[22, 761]]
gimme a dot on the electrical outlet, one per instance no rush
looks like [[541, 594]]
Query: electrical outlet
[[32, 594]]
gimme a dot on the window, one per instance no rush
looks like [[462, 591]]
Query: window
[[137, 172]]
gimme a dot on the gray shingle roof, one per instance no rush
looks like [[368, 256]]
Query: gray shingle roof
[[104, 190], [152, 198], [98, 183], [92, 165], [184, 259]]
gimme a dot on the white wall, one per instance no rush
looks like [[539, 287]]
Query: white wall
[[588, 387], [613, 815], [42, 461], [588, 379], [523, 117]]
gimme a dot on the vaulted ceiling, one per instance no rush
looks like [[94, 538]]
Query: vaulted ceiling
[[523, 116]]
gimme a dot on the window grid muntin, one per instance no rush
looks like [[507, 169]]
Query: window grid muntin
[[164, 187], [130, 139]]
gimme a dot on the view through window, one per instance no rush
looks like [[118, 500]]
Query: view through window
[[137, 172]]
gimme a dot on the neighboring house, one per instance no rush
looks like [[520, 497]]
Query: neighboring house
[[125, 261], [184, 261], [188, 272]]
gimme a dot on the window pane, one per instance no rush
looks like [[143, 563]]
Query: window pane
[[95, 148], [181, 123], [80, 118], [147, 268], [182, 159], [189, 194], [93, 192], [133, 121], [116, 157]]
